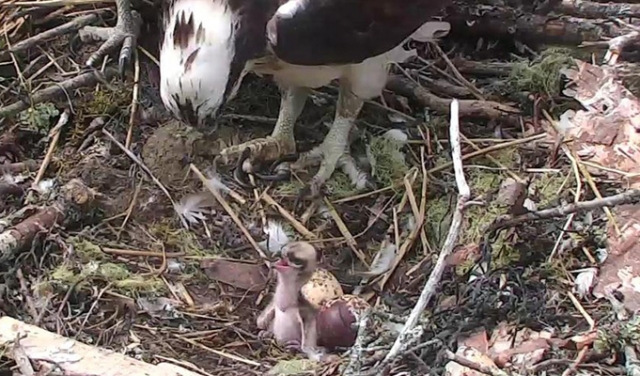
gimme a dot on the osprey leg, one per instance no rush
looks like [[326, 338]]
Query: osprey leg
[[124, 34], [281, 142], [334, 149]]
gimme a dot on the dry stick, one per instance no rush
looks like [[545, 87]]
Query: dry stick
[[39, 39], [430, 287], [447, 165], [134, 100], [629, 197], [289, 217], [55, 136], [228, 209], [51, 92], [144, 168], [346, 233], [218, 352]]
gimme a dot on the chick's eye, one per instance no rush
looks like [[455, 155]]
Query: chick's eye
[[296, 261]]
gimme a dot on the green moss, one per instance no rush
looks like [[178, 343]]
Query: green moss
[[541, 76], [390, 165], [39, 118], [618, 335]]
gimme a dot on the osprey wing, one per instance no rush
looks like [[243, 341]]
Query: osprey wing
[[331, 32]]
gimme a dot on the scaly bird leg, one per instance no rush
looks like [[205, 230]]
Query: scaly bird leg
[[281, 142], [334, 148], [124, 34]]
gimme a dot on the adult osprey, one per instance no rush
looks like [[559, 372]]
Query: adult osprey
[[208, 46]]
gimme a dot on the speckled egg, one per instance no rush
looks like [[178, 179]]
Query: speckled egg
[[335, 320], [322, 287]]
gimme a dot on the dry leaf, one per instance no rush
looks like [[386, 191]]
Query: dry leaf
[[454, 369], [251, 277]]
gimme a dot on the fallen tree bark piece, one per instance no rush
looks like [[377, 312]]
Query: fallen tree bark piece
[[74, 199], [493, 22], [591, 9], [74, 358], [469, 108]]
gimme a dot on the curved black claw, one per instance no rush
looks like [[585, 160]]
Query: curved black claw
[[285, 158], [282, 172], [124, 35], [239, 174]]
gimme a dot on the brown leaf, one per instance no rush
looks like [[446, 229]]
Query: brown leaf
[[251, 277], [478, 341], [473, 355], [621, 270], [463, 254], [528, 348], [606, 133], [513, 193]]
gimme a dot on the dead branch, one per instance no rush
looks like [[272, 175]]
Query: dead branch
[[468, 108], [590, 9], [482, 68], [493, 22], [40, 345], [69, 27], [10, 189], [8, 144], [74, 200], [403, 339], [29, 165], [54, 91], [629, 197]]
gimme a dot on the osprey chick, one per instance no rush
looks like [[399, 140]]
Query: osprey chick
[[208, 46]]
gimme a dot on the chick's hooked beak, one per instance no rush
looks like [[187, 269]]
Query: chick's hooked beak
[[285, 264]]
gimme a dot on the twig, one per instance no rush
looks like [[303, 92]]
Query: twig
[[134, 100], [468, 107], [24, 289], [289, 217], [474, 90], [583, 312], [219, 353], [228, 209], [346, 233], [51, 92], [29, 165], [55, 136], [628, 197], [430, 287], [144, 168], [40, 39], [572, 368]]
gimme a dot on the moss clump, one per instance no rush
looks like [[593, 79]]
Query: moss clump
[[179, 240], [86, 273], [390, 165], [543, 74], [38, 118], [615, 337]]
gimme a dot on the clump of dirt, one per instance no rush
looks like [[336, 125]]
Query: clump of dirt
[[169, 150]]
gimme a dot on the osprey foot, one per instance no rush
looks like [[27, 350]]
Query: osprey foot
[[328, 163], [254, 152], [125, 34]]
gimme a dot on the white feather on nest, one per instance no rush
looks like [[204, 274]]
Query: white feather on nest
[[192, 208]]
